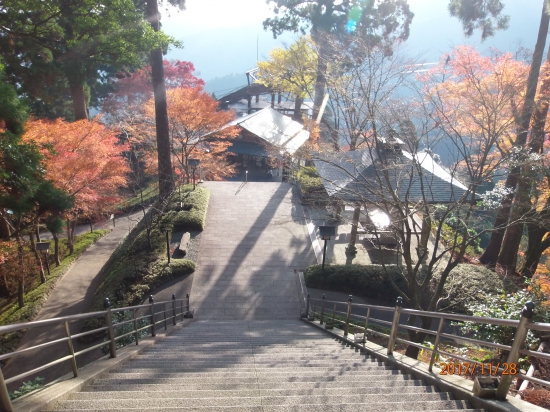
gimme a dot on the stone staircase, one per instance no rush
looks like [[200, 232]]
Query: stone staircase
[[277, 365]]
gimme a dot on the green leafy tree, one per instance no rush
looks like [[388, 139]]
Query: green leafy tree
[[291, 70], [69, 42], [377, 21], [484, 15]]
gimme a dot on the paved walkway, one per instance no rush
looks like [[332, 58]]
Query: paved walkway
[[254, 239], [72, 295]]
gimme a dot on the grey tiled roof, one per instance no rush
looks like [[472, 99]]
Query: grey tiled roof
[[361, 176], [275, 128]]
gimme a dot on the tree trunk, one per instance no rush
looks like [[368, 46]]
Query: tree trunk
[[56, 249], [490, 256], [21, 275], [5, 232], [320, 82], [534, 250], [417, 337], [298, 109], [37, 257], [79, 100], [70, 237], [166, 182], [21, 293], [522, 204]]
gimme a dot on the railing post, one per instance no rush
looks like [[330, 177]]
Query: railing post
[[187, 303], [366, 325], [513, 355], [136, 334], [190, 313], [174, 309], [110, 331], [395, 324], [71, 349], [307, 306], [348, 314], [322, 309], [5, 402], [436, 343], [153, 326], [165, 322]]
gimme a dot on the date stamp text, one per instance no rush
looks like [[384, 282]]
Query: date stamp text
[[467, 368]]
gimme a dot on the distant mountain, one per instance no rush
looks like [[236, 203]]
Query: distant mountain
[[219, 52], [225, 84]]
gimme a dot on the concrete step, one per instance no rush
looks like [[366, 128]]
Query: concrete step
[[440, 400], [268, 398], [108, 385], [184, 392], [257, 366]]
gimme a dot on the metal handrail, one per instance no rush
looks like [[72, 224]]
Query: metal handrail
[[168, 313], [522, 326]]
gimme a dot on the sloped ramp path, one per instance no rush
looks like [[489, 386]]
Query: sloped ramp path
[[250, 366]]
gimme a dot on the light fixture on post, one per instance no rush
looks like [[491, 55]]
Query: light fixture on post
[[193, 163], [167, 229], [44, 247], [326, 232]]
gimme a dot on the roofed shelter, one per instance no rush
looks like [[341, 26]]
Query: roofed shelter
[[381, 176], [266, 137]]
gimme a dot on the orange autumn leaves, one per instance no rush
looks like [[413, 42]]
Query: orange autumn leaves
[[82, 158], [197, 131], [477, 100]]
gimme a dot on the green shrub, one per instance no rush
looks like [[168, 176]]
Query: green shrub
[[311, 186], [134, 270], [506, 306], [369, 281], [26, 387], [188, 209], [468, 284]]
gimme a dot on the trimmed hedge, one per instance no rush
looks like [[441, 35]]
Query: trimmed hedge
[[134, 269], [311, 187], [371, 281], [188, 211]]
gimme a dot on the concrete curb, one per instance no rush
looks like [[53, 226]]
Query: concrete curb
[[461, 388], [59, 390]]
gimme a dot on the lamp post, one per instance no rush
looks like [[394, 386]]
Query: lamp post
[[45, 247], [193, 163], [166, 229], [326, 232], [246, 176]]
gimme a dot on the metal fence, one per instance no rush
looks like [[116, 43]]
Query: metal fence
[[120, 323], [327, 313]]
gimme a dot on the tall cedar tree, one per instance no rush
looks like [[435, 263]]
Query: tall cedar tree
[[376, 21], [125, 108]]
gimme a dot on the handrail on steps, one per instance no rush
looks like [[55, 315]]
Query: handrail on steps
[[319, 308], [176, 308]]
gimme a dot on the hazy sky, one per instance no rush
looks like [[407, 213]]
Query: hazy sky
[[204, 15], [233, 27]]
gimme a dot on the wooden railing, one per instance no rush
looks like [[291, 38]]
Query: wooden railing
[[327, 313], [168, 312]]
